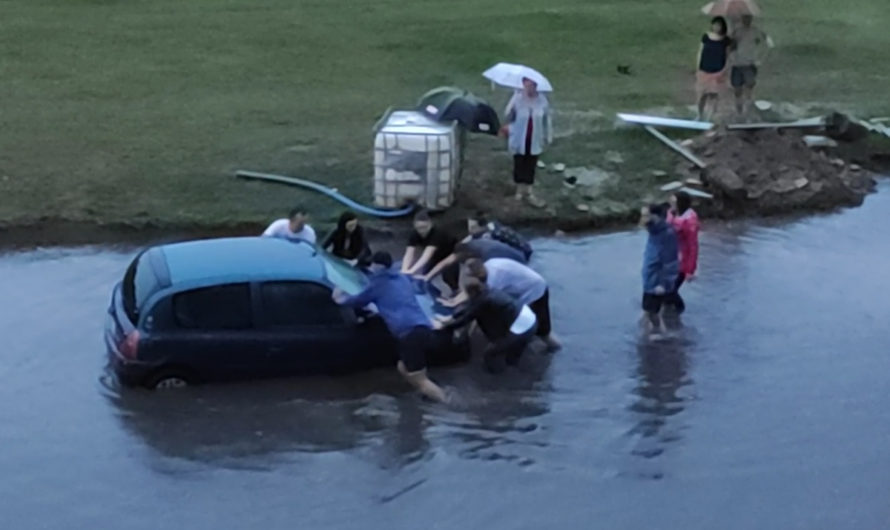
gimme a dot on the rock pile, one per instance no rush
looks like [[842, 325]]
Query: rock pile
[[774, 171]]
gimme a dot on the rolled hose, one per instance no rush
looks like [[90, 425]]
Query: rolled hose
[[329, 192]]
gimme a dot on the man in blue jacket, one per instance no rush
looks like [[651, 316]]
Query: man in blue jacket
[[660, 264], [393, 294]]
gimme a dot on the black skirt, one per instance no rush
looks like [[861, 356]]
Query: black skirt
[[524, 169]]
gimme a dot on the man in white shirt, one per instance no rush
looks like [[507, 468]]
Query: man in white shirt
[[295, 227], [523, 284]]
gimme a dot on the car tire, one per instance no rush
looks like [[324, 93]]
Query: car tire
[[169, 379]]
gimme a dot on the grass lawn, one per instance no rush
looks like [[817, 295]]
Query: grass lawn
[[139, 111]]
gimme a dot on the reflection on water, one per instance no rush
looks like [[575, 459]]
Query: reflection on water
[[768, 408]]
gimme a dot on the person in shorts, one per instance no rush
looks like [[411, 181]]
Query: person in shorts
[[660, 265], [749, 45], [393, 295], [710, 77]]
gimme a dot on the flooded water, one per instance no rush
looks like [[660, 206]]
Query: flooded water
[[770, 409]]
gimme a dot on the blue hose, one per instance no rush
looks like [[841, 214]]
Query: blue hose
[[251, 175]]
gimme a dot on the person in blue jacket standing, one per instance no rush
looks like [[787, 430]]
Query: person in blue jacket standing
[[660, 264]]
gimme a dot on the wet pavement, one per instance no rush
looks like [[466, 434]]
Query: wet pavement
[[769, 409]]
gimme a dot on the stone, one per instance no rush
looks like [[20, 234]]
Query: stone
[[614, 157], [657, 173], [689, 142], [855, 167], [582, 208], [837, 162], [559, 233], [801, 182], [725, 180]]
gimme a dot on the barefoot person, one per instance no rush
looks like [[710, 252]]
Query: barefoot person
[[427, 246], [529, 130], [710, 65], [684, 220], [523, 284], [393, 294], [659, 265], [750, 45], [295, 227], [508, 325]]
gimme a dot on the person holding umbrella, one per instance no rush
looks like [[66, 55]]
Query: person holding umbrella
[[529, 130], [528, 124]]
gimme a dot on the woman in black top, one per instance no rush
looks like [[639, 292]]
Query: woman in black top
[[508, 325], [348, 241], [710, 78]]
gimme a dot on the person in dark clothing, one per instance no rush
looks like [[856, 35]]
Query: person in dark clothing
[[393, 294], [660, 264], [427, 246], [484, 249], [508, 325], [348, 240], [711, 70], [480, 227]]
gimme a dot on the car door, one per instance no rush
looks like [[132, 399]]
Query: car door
[[213, 332], [305, 331]]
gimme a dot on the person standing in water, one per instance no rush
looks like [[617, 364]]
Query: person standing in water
[[710, 66], [508, 324], [427, 246], [529, 129], [750, 45], [348, 240], [393, 294], [660, 265], [684, 220]]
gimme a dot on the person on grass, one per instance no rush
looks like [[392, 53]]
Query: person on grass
[[749, 47], [348, 240], [508, 324], [393, 295], [685, 222], [710, 64], [295, 227], [529, 130], [660, 265], [427, 246]]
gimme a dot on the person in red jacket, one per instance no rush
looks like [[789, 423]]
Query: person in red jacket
[[685, 222]]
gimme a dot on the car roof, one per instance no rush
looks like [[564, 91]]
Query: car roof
[[242, 259]]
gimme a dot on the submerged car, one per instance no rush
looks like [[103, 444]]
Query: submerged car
[[245, 308]]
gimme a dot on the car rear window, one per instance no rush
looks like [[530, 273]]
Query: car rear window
[[343, 275], [217, 307], [140, 282]]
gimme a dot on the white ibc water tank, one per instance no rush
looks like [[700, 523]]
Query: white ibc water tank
[[415, 159]]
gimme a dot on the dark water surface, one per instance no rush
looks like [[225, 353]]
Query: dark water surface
[[769, 410]]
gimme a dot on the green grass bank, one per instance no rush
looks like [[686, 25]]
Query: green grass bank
[[138, 112]]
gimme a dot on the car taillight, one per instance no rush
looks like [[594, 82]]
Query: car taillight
[[129, 347]]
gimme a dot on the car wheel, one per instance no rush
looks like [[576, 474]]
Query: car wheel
[[169, 379]]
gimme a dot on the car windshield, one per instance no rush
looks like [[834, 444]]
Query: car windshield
[[343, 275]]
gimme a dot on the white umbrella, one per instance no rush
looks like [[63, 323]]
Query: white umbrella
[[511, 76]]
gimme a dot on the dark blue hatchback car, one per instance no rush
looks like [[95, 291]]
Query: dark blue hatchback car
[[245, 308]]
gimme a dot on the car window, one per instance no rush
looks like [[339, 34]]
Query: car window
[[139, 283], [296, 304], [217, 307], [343, 275]]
